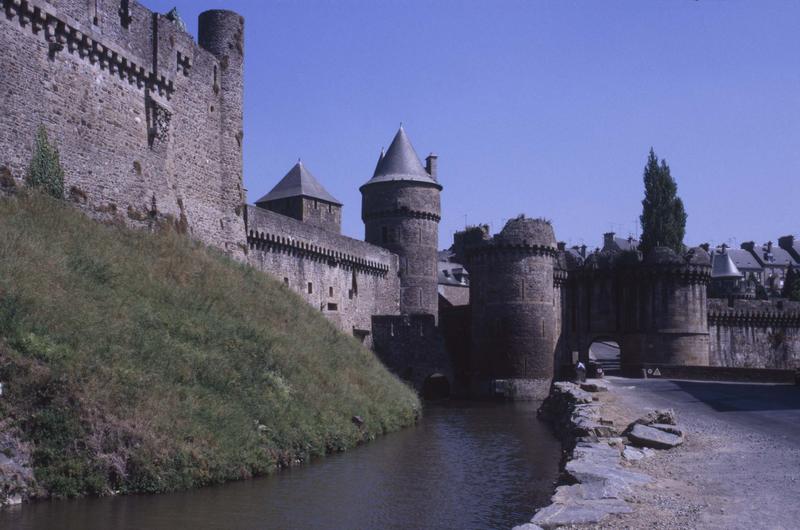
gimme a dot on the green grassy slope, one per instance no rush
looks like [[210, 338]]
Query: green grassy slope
[[145, 362]]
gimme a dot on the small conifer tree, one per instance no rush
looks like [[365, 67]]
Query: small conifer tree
[[791, 285], [663, 217], [45, 172]]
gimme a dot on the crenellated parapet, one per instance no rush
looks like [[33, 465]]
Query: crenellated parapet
[[754, 313], [264, 241]]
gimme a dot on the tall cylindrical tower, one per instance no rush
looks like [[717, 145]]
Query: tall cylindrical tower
[[401, 211], [515, 321], [222, 33], [673, 309]]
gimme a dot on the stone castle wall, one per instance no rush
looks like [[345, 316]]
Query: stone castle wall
[[148, 123], [350, 280], [754, 334]]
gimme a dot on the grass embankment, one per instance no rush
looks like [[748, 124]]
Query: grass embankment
[[140, 362]]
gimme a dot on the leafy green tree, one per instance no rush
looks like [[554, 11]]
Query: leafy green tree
[[663, 217], [791, 285], [45, 172]]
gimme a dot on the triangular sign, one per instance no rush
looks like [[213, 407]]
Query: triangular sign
[[657, 372]]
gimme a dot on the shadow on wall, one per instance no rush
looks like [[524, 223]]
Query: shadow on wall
[[726, 397], [436, 386]]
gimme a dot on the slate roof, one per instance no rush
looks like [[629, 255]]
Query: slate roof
[[299, 182], [452, 273], [744, 260], [780, 256], [400, 162], [625, 244], [723, 266]]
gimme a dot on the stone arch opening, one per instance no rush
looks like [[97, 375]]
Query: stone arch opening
[[436, 386], [606, 353]]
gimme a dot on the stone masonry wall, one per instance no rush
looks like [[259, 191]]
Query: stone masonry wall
[[311, 211], [754, 334], [134, 106], [412, 347], [350, 280]]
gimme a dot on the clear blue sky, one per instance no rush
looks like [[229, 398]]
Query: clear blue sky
[[542, 108]]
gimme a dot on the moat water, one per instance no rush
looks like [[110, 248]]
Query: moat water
[[464, 466]]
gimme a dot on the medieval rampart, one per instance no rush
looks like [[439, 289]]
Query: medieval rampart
[[147, 122], [347, 279], [653, 308], [754, 333]]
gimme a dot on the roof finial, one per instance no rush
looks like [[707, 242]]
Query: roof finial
[[401, 125]]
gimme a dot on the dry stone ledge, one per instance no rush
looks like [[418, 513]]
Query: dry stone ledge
[[645, 436], [579, 512], [571, 392], [528, 526]]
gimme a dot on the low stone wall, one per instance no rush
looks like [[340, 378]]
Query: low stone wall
[[754, 334]]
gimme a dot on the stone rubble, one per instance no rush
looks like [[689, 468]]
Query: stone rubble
[[597, 479]]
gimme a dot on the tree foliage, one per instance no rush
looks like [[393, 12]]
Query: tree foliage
[[791, 285], [663, 217], [45, 172]]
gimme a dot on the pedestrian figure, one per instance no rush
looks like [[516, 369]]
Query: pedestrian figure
[[580, 372]]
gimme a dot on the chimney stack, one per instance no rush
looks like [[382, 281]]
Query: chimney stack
[[431, 165], [608, 240]]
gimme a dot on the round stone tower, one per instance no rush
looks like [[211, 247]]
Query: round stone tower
[[401, 211], [673, 312], [515, 316], [222, 33]]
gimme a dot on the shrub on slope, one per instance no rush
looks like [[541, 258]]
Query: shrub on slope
[[146, 362]]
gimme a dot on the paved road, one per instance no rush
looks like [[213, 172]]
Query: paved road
[[772, 410], [740, 466]]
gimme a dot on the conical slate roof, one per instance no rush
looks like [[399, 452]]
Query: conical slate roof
[[298, 182], [723, 267], [401, 163]]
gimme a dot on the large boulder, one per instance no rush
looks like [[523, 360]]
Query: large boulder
[[647, 436]]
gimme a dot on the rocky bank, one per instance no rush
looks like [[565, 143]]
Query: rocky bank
[[599, 478]]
